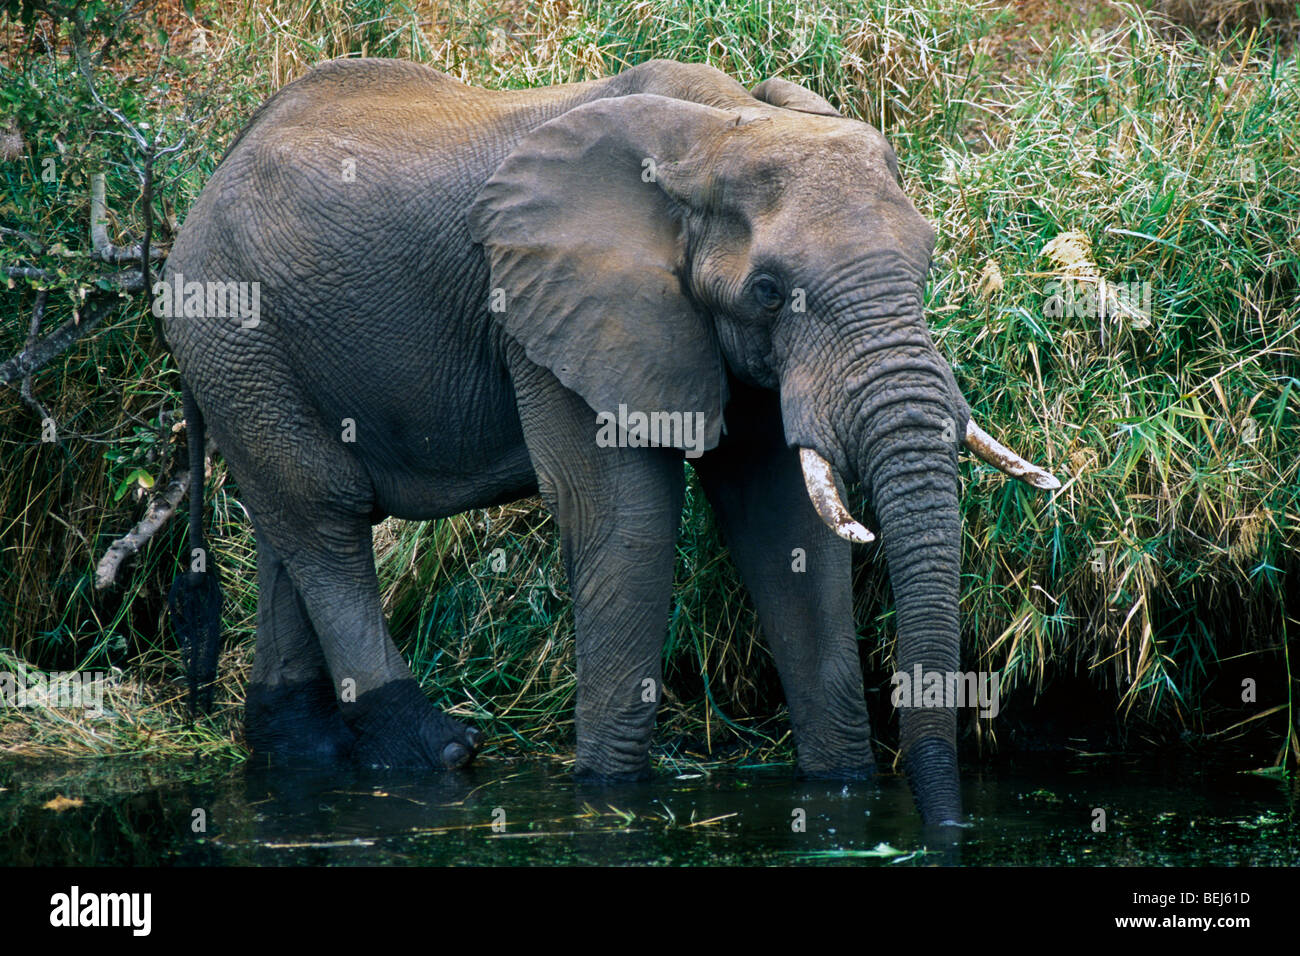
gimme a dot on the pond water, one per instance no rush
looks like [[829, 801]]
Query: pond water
[[130, 813]]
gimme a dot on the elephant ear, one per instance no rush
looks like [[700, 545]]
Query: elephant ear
[[792, 96], [586, 244]]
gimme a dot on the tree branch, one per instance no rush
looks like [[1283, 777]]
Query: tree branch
[[56, 343], [34, 330], [128, 280], [103, 249], [161, 510]]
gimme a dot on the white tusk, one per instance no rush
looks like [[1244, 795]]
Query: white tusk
[[989, 449], [820, 482]]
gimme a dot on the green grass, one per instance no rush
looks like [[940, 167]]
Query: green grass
[[1161, 570]]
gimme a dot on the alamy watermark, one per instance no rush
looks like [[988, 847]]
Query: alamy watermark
[[75, 908], [211, 299], [62, 690], [661, 429], [919, 688], [1099, 299]]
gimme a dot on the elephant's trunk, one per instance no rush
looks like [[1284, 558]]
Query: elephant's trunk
[[890, 417], [901, 432], [866, 396], [911, 474], [884, 410]]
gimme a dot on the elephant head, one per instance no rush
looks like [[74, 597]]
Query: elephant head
[[647, 245]]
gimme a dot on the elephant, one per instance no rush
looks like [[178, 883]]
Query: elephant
[[401, 295]]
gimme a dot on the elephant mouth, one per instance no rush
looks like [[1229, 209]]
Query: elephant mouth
[[819, 480]]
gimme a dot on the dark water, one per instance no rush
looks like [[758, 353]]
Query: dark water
[[135, 814]]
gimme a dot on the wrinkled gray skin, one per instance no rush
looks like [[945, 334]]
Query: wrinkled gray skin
[[678, 293]]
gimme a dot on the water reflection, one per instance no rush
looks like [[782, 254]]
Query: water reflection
[[122, 813]]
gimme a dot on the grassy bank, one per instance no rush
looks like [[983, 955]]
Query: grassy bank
[[1051, 148]]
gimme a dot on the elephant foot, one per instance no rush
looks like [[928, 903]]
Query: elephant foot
[[296, 724], [396, 726], [838, 774], [843, 764], [595, 778], [606, 760]]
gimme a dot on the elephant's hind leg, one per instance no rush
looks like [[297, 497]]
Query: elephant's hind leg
[[291, 713], [312, 501], [395, 725]]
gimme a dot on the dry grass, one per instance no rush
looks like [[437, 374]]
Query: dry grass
[[1218, 18]]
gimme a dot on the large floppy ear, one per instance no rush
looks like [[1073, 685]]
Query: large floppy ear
[[583, 230], [792, 96]]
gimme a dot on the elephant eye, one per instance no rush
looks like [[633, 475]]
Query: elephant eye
[[767, 292]]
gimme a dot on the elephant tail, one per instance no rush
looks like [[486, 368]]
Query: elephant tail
[[195, 596]]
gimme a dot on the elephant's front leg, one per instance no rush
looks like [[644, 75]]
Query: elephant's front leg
[[618, 511], [798, 575]]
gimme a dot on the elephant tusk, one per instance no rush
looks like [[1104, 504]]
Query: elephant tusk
[[820, 482], [989, 449]]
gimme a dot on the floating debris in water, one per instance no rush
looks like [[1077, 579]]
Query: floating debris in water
[[61, 803], [881, 851]]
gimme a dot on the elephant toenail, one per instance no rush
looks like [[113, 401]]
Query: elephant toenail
[[455, 755]]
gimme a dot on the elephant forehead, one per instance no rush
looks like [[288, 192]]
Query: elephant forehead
[[834, 228], [805, 158]]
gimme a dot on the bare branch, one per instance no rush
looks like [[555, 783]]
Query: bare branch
[[38, 316], [56, 343], [28, 272], [160, 511], [128, 280], [27, 237], [34, 330], [86, 66], [103, 249]]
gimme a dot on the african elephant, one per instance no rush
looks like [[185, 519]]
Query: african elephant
[[451, 297]]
